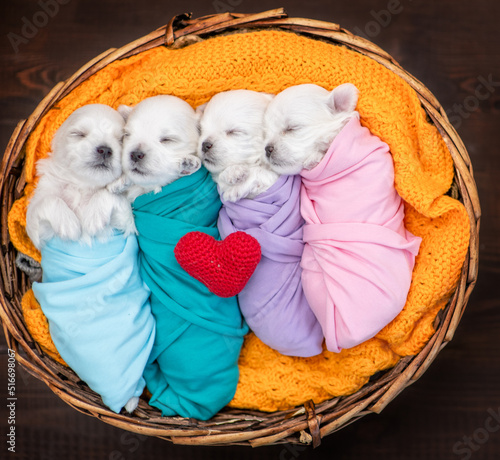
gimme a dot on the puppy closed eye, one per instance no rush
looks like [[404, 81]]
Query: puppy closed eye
[[167, 140], [290, 129], [235, 132], [78, 134]]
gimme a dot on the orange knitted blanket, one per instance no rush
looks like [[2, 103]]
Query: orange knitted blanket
[[270, 61]]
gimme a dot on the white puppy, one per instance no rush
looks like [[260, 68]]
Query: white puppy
[[232, 143], [71, 200], [159, 144], [302, 121]]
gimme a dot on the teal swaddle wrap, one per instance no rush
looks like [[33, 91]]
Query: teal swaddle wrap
[[194, 363], [99, 314]]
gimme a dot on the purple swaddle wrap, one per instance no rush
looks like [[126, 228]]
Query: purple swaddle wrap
[[273, 302]]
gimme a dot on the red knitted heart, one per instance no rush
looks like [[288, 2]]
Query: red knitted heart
[[223, 266]]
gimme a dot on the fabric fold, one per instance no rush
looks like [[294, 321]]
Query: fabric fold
[[194, 363], [273, 302], [99, 314], [358, 259]]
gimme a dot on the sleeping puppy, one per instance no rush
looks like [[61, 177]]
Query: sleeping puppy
[[172, 196], [301, 123], [358, 256], [159, 144], [232, 143], [265, 205], [71, 200]]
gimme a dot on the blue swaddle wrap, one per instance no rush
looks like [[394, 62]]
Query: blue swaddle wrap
[[99, 314], [194, 368]]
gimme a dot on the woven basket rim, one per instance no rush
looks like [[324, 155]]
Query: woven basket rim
[[308, 423]]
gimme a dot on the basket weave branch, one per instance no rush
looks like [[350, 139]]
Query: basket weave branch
[[305, 424]]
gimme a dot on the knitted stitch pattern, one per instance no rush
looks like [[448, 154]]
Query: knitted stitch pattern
[[223, 266], [270, 61]]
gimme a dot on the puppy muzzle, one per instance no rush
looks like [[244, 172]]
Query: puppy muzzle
[[136, 156], [269, 150], [206, 146], [102, 157], [104, 152]]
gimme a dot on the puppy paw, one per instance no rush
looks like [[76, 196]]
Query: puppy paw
[[314, 160], [235, 193], [34, 230], [119, 186], [234, 175], [96, 219], [48, 216], [127, 225], [132, 404], [131, 230], [189, 165], [36, 240], [263, 179], [68, 227], [123, 218]]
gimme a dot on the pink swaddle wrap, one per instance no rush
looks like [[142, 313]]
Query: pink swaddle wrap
[[358, 258]]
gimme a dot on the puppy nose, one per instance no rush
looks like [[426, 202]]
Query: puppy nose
[[104, 151], [206, 146], [136, 155], [269, 150]]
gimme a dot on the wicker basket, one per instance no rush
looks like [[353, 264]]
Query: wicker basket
[[307, 424]]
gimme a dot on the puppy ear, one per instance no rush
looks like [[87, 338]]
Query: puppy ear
[[343, 98], [200, 110], [124, 111], [268, 96]]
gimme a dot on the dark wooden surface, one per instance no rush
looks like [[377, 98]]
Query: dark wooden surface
[[452, 47]]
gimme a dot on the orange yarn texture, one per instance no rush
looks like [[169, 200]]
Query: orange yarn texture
[[270, 61]]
